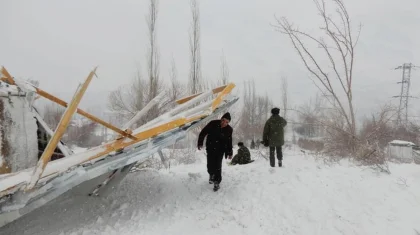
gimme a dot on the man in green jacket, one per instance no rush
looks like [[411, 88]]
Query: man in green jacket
[[243, 156], [273, 135]]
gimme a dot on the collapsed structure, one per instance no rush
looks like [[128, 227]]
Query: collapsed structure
[[28, 176]]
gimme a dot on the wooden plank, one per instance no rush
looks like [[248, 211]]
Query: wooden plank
[[185, 99], [64, 104], [83, 113], [120, 144], [61, 128], [50, 132], [8, 78], [143, 111], [222, 95]]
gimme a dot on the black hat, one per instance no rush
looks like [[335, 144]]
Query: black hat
[[240, 144], [227, 116], [275, 111]]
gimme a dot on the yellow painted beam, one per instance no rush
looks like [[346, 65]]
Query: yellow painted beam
[[61, 102], [185, 99], [119, 144], [155, 131], [62, 126], [9, 79], [221, 95], [84, 113]]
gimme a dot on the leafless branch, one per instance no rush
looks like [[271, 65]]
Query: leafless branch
[[285, 96], [339, 35], [224, 70], [195, 84]]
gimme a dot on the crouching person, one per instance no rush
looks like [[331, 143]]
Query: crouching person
[[243, 156]]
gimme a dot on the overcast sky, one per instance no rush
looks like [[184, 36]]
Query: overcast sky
[[59, 42]]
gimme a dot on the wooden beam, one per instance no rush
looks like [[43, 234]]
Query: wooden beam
[[64, 104], [50, 132], [107, 148], [8, 78], [61, 128], [155, 101], [83, 113], [120, 144], [185, 99], [221, 95]]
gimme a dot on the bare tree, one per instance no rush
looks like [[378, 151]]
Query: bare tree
[[195, 69], [378, 129], [153, 54], [224, 70], [155, 85], [338, 46], [52, 114], [254, 113], [83, 132], [310, 116], [375, 135], [284, 95], [176, 87], [127, 100]]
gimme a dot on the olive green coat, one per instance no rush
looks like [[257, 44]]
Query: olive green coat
[[273, 135], [243, 156]]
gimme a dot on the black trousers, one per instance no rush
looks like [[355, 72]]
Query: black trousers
[[276, 149], [214, 165]]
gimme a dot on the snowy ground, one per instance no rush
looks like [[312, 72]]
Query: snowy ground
[[304, 197]]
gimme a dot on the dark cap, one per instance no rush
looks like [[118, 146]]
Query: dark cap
[[275, 111], [227, 116]]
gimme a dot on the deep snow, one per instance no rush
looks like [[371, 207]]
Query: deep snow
[[304, 197]]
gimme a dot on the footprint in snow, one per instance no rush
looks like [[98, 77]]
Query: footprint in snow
[[194, 176]]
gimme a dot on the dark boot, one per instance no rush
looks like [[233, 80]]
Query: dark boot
[[211, 179], [216, 186], [279, 156]]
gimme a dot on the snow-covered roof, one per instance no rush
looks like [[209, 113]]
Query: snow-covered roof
[[6, 89], [401, 142]]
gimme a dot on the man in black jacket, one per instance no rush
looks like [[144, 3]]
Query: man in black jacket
[[218, 143]]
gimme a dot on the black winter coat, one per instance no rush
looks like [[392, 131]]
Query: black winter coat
[[218, 139]]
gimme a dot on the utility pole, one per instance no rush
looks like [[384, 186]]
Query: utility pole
[[402, 119]]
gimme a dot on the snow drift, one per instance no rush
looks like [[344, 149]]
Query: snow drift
[[304, 197]]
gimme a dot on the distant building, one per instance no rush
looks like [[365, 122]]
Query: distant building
[[401, 151]]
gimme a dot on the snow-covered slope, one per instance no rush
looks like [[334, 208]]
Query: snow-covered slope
[[304, 197]]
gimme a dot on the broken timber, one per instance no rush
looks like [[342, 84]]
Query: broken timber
[[109, 163], [9, 79], [59, 132]]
